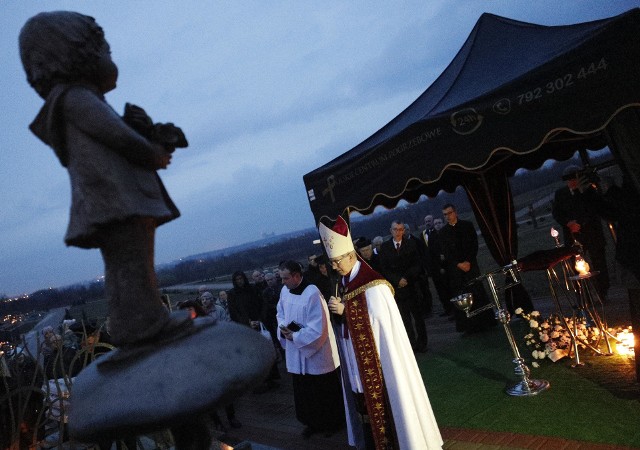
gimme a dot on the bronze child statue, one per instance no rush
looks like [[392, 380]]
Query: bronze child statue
[[117, 198], [117, 201]]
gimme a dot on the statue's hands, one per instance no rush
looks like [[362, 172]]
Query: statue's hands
[[335, 305], [138, 119], [161, 157]]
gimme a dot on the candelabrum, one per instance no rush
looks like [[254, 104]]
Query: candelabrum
[[583, 299], [526, 386]]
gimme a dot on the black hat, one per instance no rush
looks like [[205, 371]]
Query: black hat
[[322, 260], [362, 242]]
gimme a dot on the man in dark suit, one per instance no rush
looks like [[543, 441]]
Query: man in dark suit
[[460, 248], [572, 210], [400, 265], [433, 262], [426, 299]]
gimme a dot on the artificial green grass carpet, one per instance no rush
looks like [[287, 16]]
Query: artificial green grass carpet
[[597, 403]]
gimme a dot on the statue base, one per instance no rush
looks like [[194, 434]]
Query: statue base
[[122, 395]]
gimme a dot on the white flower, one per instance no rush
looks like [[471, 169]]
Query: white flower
[[544, 337], [557, 328], [533, 324], [535, 313], [518, 311], [545, 325], [535, 364], [534, 354]]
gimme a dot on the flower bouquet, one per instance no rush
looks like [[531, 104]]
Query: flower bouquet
[[550, 337]]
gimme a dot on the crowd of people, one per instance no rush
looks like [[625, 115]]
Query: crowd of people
[[443, 255], [311, 325], [311, 334]]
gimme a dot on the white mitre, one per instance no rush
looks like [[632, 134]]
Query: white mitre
[[337, 239]]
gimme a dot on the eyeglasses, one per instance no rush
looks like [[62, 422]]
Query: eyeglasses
[[336, 262]]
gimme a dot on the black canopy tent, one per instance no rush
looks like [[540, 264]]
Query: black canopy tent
[[515, 95]]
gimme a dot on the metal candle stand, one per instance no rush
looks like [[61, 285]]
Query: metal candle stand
[[577, 291], [590, 300], [583, 299], [526, 386]]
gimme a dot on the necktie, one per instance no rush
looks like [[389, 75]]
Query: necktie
[[397, 246]]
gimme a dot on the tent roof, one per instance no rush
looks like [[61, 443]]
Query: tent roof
[[513, 89]]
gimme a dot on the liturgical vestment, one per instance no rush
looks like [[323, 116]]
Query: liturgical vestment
[[405, 398]]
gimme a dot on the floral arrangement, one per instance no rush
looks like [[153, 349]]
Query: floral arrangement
[[550, 337]]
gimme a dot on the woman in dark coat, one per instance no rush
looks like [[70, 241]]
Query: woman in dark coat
[[244, 302]]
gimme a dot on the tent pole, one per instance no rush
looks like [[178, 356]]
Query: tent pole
[[490, 196]]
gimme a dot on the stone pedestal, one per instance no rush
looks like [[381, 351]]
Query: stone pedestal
[[178, 380]]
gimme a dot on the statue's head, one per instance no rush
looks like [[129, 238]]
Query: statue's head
[[65, 47]]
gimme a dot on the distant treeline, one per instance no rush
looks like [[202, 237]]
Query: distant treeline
[[46, 299], [260, 257], [298, 247], [190, 270]]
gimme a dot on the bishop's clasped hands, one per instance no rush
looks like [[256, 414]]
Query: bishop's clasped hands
[[335, 305]]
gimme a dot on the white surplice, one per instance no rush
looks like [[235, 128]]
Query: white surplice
[[313, 350]]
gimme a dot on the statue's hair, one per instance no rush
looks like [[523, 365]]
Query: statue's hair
[[58, 47]]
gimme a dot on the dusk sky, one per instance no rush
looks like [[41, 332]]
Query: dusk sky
[[264, 91]]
